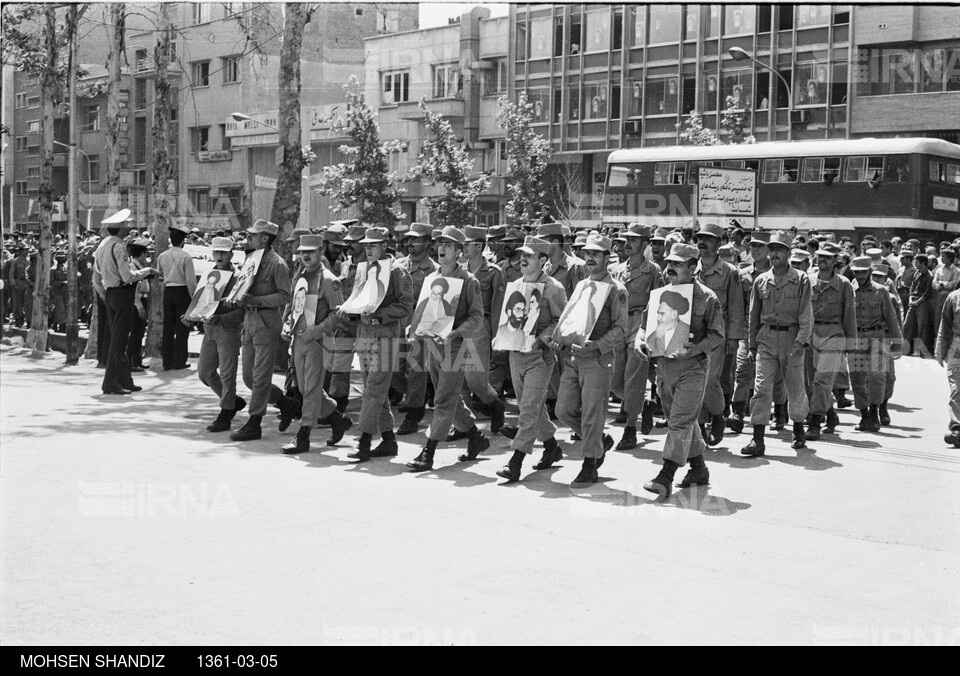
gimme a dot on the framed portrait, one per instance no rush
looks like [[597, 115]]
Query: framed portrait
[[370, 287], [206, 299], [437, 306], [581, 312], [245, 277], [517, 326], [668, 325]]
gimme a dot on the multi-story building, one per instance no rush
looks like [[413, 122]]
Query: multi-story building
[[460, 71]]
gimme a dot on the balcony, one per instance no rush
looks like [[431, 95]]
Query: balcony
[[449, 108]]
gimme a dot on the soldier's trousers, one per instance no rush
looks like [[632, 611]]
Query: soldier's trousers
[[446, 365], [309, 361], [217, 366], [682, 384], [412, 375], [582, 398], [745, 373], [531, 380], [499, 369], [378, 348], [824, 360], [633, 388], [475, 357], [868, 366], [343, 347], [18, 296], [713, 398], [258, 354], [952, 360], [774, 357]]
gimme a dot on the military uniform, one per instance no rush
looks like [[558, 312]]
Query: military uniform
[[19, 284], [948, 353]]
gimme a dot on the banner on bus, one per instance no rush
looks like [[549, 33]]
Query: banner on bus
[[726, 192]]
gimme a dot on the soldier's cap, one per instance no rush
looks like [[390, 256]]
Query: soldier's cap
[[550, 230], [907, 252], [727, 250], [637, 230], [262, 225], [310, 243], [356, 233], [297, 233], [799, 255], [475, 233], [567, 232], [513, 235], [828, 249], [117, 218], [435, 232], [181, 227], [145, 242], [581, 240], [420, 230], [660, 235], [218, 244], [945, 245], [676, 301], [780, 238], [861, 264], [451, 233], [398, 229], [711, 230], [335, 234], [880, 269], [347, 224], [375, 236], [535, 245], [759, 237], [875, 253], [496, 232], [597, 242], [681, 253]]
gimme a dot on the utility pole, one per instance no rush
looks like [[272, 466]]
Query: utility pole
[[73, 188]]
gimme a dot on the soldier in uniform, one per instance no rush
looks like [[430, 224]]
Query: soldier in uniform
[[344, 338], [640, 277], [19, 285], [834, 328], [58, 293], [781, 321], [682, 378], [588, 373], [880, 273], [322, 297], [878, 333], [138, 259], [509, 265], [724, 280], [948, 355]]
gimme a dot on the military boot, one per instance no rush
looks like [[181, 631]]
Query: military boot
[[362, 453], [646, 418], [411, 420], [511, 471], [476, 445], [629, 439], [662, 484], [735, 421], [697, 475], [832, 421], [301, 444], [424, 461], [551, 454], [813, 433], [339, 424], [799, 437], [756, 447], [588, 474], [884, 415]]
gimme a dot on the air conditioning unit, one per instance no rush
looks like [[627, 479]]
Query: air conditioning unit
[[631, 127], [799, 116]]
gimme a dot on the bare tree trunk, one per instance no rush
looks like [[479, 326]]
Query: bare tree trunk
[[161, 174], [286, 202], [37, 335], [72, 347]]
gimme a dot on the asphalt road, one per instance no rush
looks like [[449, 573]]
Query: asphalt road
[[124, 522]]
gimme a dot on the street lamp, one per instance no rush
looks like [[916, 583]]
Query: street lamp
[[739, 54], [240, 117]]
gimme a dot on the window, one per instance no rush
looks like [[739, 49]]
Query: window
[[838, 86], [618, 29], [752, 165], [810, 88], [695, 166], [861, 169], [576, 34], [541, 38], [539, 98], [765, 19], [810, 16], [662, 95], [201, 12], [573, 94], [33, 172], [891, 71], [598, 31], [199, 139], [231, 69], [898, 169], [358, 11], [495, 79], [224, 139], [230, 201], [91, 118], [635, 100], [20, 144], [33, 151], [841, 15], [623, 175], [737, 90], [713, 22], [711, 92], [691, 22], [199, 199], [557, 104], [664, 23], [140, 94], [953, 174], [201, 73], [780, 171], [33, 102], [388, 20], [446, 81], [21, 100], [821, 170], [21, 187], [396, 87], [33, 127], [739, 19], [639, 26], [558, 36], [688, 93], [140, 140], [595, 100], [783, 94], [939, 69], [92, 169], [669, 173], [615, 102]]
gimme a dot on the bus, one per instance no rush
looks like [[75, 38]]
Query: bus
[[908, 187]]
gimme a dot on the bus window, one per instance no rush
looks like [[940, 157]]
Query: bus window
[[752, 165], [861, 169], [791, 170], [780, 171], [821, 170], [938, 172], [953, 174], [669, 173], [898, 169], [733, 164], [622, 175], [692, 178]]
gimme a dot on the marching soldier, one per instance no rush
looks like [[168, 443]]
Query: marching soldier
[[880, 273], [781, 321], [588, 372], [834, 328], [682, 376], [345, 336], [948, 354]]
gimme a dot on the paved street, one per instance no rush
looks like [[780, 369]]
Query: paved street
[[124, 522]]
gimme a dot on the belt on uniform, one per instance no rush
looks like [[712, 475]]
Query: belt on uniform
[[872, 328], [826, 323], [371, 321], [775, 327]]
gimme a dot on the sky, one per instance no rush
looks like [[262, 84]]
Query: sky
[[436, 13]]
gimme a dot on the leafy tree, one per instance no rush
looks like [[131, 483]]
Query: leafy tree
[[528, 152], [444, 161], [733, 119], [693, 132]]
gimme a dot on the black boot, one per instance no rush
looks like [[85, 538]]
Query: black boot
[[478, 444], [509, 431], [952, 437], [726, 407], [299, 445], [511, 471], [621, 416], [884, 416], [607, 445], [717, 425], [646, 418], [756, 447], [424, 461], [497, 414], [222, 422], [588, 474], [342, 403], [813, 433], [387, 448], [867, 418], [551, 454], [662, 484], [411, 421], [799, 437], [289, 409], [697, 475], [362, 453], [875, 417], [552, 408], [339, 424], [250, 430], [629, 439], [833, 420], [779, 416], [842, 401], [735, 422]]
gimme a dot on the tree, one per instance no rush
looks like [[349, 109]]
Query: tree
[[286, 201], [528, 152], [569, 199], [693, 132], [733, 119], [444, 161], [364, 185]]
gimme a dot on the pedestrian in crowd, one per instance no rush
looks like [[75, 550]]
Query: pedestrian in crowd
[[918, 309], [141, 303], [945, 280], [179, 285], [781, 322], [18, 279], [59, 280], [904, 278], [682, 377], [879, 273], [116, 283], [948, 355]]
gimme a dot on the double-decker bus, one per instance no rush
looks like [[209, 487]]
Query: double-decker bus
[[908, 186]]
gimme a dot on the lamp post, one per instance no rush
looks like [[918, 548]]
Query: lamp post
[[739, 54]]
